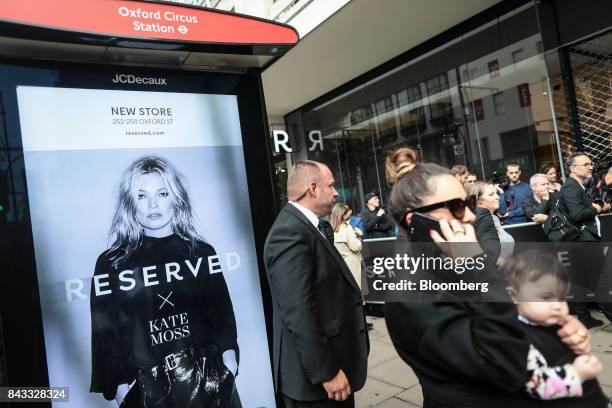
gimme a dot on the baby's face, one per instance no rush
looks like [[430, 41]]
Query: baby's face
[[544, 313], [539, 301]]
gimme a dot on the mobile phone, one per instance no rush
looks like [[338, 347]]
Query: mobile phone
[[420, 225]]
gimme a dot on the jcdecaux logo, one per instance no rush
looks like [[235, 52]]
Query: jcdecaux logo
[[131, 79]]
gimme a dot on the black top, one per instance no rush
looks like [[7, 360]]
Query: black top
[[466, 354], [376, 227], [474, 355], [578, 207], [545, 339], [161, 299], [532, 207], [486, 233]]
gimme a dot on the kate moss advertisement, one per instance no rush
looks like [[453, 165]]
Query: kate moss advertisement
[[144, 247]]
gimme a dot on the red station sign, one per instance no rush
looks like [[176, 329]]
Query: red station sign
[[141, 19]]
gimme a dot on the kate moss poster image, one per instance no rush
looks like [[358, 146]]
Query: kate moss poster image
[[170, 313], [161, 315]]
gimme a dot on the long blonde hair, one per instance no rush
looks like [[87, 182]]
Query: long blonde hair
[[337, 216], [125, 232]]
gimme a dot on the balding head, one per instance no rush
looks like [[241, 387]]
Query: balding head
[[300, 176], [312, 185]]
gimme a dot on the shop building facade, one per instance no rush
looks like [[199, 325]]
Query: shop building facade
[[526, 81]]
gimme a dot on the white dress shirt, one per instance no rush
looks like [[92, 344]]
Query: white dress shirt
[[312, 217]]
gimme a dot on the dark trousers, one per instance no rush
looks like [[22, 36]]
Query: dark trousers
[[594, 279], [581, 310], [327, 403]]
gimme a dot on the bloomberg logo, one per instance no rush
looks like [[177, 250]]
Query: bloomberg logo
[[131, 79]]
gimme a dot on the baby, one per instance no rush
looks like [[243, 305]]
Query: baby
[[538, 283]]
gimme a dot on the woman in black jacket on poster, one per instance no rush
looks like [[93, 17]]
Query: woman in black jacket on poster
[[163, 325], [464, 354]]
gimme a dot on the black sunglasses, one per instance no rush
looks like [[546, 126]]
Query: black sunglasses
[[456, 206]]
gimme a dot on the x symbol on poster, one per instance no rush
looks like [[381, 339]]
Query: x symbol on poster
[[166, 300]]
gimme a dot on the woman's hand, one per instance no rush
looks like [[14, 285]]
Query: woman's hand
[[575, 335], [457, 233], [454, 232], [503, 216]]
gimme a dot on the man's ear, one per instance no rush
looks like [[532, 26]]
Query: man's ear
[[512, 293], [312, 187], [408, 218]]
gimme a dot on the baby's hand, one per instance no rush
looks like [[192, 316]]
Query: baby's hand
[[588, 366]]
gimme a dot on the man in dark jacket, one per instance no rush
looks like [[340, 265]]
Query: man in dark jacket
[[376, 221], [575, 202], [320, 341], [582, 212], [537, 205]]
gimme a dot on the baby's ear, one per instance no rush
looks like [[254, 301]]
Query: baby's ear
[[512, 292]]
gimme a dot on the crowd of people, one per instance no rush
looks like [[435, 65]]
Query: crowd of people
[[518, 202], [527, 351]]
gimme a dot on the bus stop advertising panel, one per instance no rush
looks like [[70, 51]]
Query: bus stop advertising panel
[[139, 188]]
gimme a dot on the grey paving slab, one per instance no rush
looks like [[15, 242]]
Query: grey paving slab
[[380, 352], [396, 403], [380, 328], [394, 372], [413, 395], [374, 392], [607, 390], [605, 377]]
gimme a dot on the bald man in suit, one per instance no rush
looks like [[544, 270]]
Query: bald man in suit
[[320, 339]]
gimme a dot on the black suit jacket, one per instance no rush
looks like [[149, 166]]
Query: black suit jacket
[[486, 233], [318, 315], [532, 207], [578, 207]]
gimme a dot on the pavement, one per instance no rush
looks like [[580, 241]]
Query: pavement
[[392, 384]]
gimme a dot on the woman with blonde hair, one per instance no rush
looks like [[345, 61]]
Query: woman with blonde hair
[[163, 325], [347, 243], [489, 230]]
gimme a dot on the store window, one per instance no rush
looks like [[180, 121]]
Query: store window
[[477, 101]]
